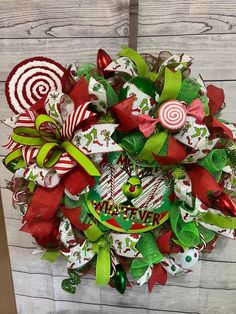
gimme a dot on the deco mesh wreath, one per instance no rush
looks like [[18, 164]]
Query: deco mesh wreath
[[122, 167]]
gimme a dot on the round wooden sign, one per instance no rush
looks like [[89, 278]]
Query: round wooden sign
[[130, 199]]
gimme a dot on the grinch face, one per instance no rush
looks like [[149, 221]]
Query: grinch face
[[132, 188]]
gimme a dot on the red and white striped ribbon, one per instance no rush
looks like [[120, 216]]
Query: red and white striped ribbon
[[114, 262], [29, 153], [64, 164], [26, 119], [11, 145], [112, 182], [73, 119]]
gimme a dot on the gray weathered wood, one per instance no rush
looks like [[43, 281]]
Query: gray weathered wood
[[84, 18], [29, 304], [161, 18], [214, 54], [65, 51], [100, 18], [191, 280], [167, 298]]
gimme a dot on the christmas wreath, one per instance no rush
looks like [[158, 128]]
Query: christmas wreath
[[122, 167]]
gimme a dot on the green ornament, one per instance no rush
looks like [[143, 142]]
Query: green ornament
[[173, 268], [119, 279]]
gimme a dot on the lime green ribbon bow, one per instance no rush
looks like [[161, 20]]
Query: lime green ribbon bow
[[50, 145], [102, 248], [172, 84]]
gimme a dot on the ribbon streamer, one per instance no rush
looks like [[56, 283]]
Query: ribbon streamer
[[103, 267]]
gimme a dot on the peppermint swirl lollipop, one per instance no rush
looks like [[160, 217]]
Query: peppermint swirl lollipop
[[30, 80], [172, 114]]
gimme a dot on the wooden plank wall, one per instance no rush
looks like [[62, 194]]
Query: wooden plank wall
[[72, 30]]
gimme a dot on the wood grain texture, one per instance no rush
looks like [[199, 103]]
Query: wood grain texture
[[168, 298], [191, 280], [65, 51], [214, 54], [73, 18], [175, 18], [101, 18], [72, 307], [72, 31]]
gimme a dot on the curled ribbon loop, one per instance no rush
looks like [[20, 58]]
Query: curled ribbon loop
[[186, 233], [42, 156], [215, 161], [27, 136], [140, 63], [42, 120]]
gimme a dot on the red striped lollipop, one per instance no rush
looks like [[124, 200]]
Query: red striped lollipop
[[32, 79], [172, 114]]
